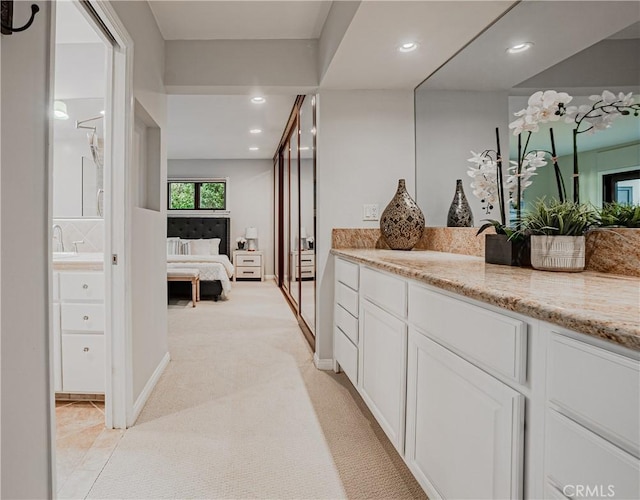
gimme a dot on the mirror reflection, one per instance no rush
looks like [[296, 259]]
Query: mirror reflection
[[459, 107]]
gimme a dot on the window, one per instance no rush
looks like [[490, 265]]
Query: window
[[197, 195]]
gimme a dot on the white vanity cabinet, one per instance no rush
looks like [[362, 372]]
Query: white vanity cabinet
[[346, 312], [485, 403], [592, 436], [382, 375], [78, 335]]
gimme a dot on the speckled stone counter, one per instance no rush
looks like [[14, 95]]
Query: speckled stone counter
[[602, 305]]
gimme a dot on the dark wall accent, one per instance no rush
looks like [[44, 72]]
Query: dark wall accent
[[193, 228]]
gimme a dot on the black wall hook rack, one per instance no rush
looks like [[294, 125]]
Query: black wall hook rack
[[6, 18]]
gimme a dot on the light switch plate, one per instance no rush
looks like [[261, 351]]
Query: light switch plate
[[370, 212]]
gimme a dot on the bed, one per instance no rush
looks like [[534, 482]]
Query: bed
[[216, 271]]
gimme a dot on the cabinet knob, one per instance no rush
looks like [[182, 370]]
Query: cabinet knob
[[86, 318], [85, 286], [86, 349]]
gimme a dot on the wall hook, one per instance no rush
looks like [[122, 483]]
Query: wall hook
[[6, 18]]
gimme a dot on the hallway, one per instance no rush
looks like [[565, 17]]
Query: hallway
[[241, 412]]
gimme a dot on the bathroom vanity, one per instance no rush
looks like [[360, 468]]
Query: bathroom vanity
[[492, 381], [79, 324]]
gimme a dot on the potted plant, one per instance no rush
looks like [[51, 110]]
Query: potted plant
[[557, 232], [620, 215]]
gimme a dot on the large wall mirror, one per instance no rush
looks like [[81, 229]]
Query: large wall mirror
[[581, 48]]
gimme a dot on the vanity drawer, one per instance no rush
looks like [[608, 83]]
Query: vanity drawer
[[82, 317], [81, 286], [576, 456], [484, 337], [346, 354], [248, 272], [347, 273], [386, 291], [611, 407], [248, 260], [347, 323], [83, 363], [347, 298]]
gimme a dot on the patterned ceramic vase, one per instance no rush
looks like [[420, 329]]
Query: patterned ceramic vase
[[459, 212], [402, 222]]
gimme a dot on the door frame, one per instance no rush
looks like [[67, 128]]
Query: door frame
[[117, 213]]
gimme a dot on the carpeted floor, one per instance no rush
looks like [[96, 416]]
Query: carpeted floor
[[241, 412]]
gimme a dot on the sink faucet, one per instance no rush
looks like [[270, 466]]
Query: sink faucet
[[75, 245], [57, 235]]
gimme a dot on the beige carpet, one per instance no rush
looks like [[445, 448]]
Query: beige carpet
[[242, 413]]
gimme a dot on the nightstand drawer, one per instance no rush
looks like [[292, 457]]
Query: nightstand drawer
[[248, 260], [307, 260], [248, 272]]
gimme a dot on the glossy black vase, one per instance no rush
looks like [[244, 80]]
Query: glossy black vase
[[459, 212]]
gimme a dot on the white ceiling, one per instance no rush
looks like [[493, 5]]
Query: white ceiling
[[368, 56], [204, 127], [239, 20]]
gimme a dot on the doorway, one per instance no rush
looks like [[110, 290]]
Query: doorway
[[295, 214], [88, 343]]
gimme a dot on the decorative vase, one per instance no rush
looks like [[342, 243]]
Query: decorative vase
[[240, 245], [459, 212], [558, 253], [498, 249], [402, 221]]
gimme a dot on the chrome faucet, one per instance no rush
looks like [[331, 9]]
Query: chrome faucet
[[57, 235], [75, 245]]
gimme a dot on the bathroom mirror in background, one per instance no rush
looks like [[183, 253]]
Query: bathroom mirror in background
[[79, 115], [78, 160], [581, 48]]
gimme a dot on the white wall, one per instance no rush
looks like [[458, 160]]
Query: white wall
[[250, 195], [147, 283], [449, 125], [365, 144], [24, 262]]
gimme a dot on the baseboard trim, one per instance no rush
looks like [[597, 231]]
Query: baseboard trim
[[149, 386], [322, 364]]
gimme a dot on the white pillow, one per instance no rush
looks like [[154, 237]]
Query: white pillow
[[173, 246], [205, 246], [185, 248]]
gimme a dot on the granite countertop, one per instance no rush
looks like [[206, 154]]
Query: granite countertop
[[602, 305], [69, 261]]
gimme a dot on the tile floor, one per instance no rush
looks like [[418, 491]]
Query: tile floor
[[83, 446]]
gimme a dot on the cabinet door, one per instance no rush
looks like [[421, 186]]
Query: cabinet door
[[83, 363], [465, 429], [382, 376]]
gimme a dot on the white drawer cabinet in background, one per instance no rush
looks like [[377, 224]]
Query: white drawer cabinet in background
[[78, 336]]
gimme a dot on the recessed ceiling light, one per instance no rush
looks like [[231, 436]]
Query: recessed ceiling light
[[253, 148], [102, 112], [258, 99], [408, 47], [520, 47], [60, 110], [304, 148], [255, 131]]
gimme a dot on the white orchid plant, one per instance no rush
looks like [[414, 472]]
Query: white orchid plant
[[551, 106], [542, 107]]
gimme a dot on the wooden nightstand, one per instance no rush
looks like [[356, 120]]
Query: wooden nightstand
[[248, 265], [306, 268]]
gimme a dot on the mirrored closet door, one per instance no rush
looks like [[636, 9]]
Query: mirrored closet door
[[294, 170]]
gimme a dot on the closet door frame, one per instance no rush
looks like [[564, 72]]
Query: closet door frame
[[282, 196]]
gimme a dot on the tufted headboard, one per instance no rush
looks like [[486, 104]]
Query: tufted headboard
[[193, 228]]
